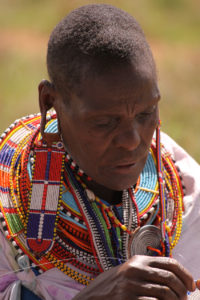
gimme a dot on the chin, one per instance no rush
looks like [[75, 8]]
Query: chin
[[121, 184]]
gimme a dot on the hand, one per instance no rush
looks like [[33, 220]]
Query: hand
[[141, 278]]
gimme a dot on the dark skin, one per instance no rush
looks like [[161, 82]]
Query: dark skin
[[113, 121], [107, 127]]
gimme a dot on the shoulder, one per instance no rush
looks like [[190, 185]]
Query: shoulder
[[187, 249], [189, 168], [189, 171], [190, 174]]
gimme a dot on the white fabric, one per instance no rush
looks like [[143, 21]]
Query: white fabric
[[187, 251]]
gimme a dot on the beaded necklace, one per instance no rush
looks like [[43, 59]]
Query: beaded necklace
[[87, 234]]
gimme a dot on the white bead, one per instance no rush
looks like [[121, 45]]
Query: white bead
[[69, 214], [151, 210], [23, 262], [76, 219], [145, 216], [14, 243], [7, 130], [90, 195]]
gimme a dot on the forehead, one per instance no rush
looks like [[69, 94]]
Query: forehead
[[118, 86]]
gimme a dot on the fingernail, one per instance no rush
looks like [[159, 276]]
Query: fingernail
[[198, 284], [194, 286]]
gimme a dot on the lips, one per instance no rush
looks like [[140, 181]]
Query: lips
[[125, 164], [129, 164], [124, 168]]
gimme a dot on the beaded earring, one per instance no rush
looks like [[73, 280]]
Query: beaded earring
[[45, 192], [55, 137], [160, 181]]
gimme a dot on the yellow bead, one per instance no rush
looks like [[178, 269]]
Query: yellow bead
[[110, 214], [123, 227]]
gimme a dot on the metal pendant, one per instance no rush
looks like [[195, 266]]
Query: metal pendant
[[146, 236]]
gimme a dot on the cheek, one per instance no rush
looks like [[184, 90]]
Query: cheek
[[153, 121], [85, 148], [148, 130], [94, 147]]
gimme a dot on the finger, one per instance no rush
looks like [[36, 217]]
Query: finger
[[131, 289], [147, 298], [158, 275], [166, 278], [198, 284], [173, 266], [159, 292]]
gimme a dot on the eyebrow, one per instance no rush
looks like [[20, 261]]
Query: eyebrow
[[110, 113], [115, 110]]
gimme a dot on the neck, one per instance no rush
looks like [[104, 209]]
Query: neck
[[111, 196]]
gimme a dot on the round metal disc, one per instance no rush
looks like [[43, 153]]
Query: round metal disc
[[146, 236]]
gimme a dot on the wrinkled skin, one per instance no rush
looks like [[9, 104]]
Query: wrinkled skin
[[107, 128], [141, 278]]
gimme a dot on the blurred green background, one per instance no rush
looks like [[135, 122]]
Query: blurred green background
[[172, 27]]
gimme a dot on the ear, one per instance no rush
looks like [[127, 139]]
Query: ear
[[47, 96]]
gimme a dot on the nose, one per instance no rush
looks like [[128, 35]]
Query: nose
[[128, 137]]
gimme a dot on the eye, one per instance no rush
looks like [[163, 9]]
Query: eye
[[106, 123], [147, 113]]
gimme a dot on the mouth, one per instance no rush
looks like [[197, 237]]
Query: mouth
[[124, 168]]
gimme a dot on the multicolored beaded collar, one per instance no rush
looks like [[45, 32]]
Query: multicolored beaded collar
[[50, 215]]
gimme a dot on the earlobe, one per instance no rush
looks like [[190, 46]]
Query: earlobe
[[46, 101]]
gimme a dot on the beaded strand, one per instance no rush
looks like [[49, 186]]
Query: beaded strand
[[107, 233]]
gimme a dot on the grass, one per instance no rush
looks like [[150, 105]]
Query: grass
[[19, 76], [168, 20], [171, 26]]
